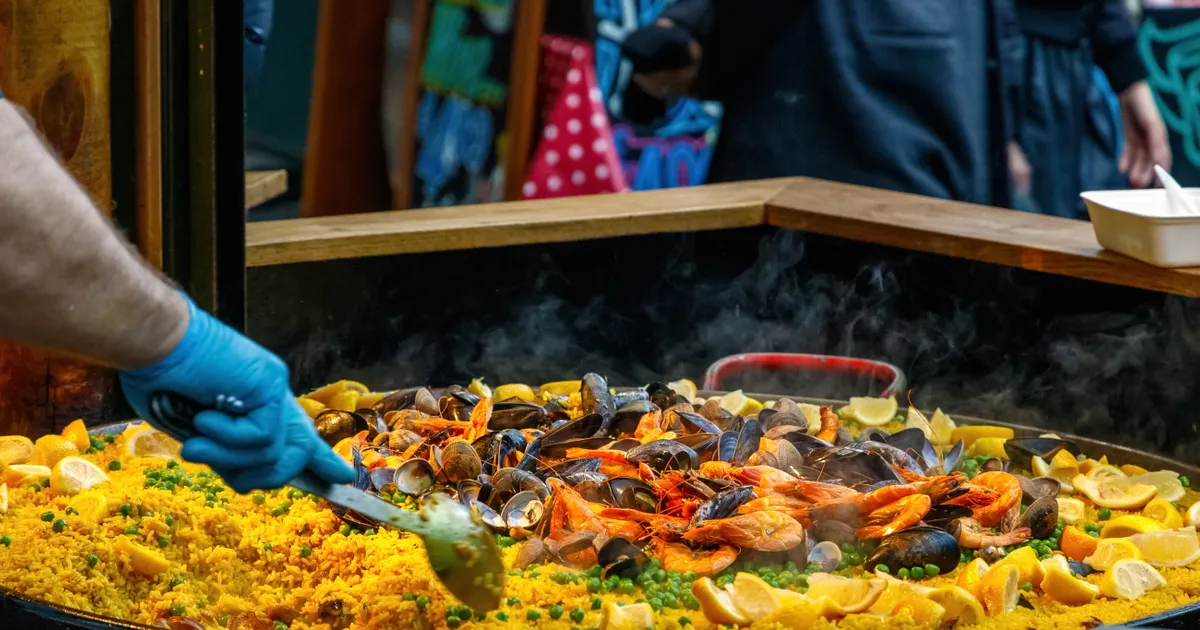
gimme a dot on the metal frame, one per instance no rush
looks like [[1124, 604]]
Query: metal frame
[[204, 223]]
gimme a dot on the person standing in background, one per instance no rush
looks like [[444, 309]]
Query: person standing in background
[[1065, 140]]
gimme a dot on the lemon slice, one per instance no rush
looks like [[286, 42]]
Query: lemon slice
[[1130, 579], [560, 388], [1109, 551], [135, 427], [48, 449], [914, 419], [962, 607], [872, 412], [1192, 518], [684, 387], [971, 574], [15, 449], [345, 400], [1133, 470], [91, 505], [754, 597], [969, 434], [73, 475], [943, 428], [631, 617], [1101, 472], [1071, 510], [999, 590], [514, 390], [988, 447], [1056, 561], [1115, 493], [1167, 482], [717, 604], [738, 404], [1168, 548], [1061, 586], [324, 394], [311, 407], [1162, 511], [143, 560], [1027, 563], [1128, 525], [152, 443], [849, 595], [479, 388], [77, 433], [3, 498], [1064, 475], [18, 474], [369, 399], [924, 612], [812, 413]]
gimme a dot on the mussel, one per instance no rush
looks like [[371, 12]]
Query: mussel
[[570, 467], [621, 558], [1041, 517], [747, 443], [941, 516], [517, 415], [626, 418], [664, 455], [1037, 488], [335, 425], [916, 547], [629, 493], [457, 404], [397, 400], [596, 397], [1022, 450], [723, 504], [662, 395]]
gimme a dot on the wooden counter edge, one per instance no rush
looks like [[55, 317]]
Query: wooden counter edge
[[263, 186], [962, 230], [713, 207]]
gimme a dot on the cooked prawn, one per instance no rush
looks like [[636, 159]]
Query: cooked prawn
[[896, 516], [972, 535], [702, 562], [649, 423], [990, 495], [830, 422], [761, 531]]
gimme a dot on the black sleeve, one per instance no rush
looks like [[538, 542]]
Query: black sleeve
[[694, 16], [1114, 40]]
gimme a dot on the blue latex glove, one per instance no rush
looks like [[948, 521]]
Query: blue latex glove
[[269, 439]]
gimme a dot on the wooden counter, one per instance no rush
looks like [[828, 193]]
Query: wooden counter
[[960, 230]]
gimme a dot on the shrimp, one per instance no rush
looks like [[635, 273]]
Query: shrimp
[[571, 510], [895, 517], [990, 495], [815, 491], [650, 423], [793, 507], [659, 524], [480, 416], [830, 422], [761, 531], [972, 535], [702, 562]]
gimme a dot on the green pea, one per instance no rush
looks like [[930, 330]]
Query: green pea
[[114, 464], [594, 585], [92, 560], [917, 573], [625, 586], [881, 568], [513, 601], [72, 512], [259, 498], [932, 570], [597, 603], [1104, 514], [1187, 483], [690, 576], [576, 615], [556, 611], [369, 532], [267, 547], [506, 541], [684, 622], [125, 509], [177, 611], [170, 520], [344, 529], [6, 541], [305, 551], [902, 574], [453, 621], [218, 488], [533, 614], [660, 576], [656, 604], [422, 601], [163, 542], [279, 625], [110, 438], [1026, 586], [47, 516], [502, 616], [176, 582], [132, 530]]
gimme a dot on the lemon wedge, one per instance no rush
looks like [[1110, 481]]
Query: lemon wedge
[[1071, 510], [943, 428], [1063, 474], [48, 449], [753, 596], [1167, 482], [73, 475], [961, 606], [143, 560], [717, 604], [872, 412], [684, 387], [1162, 511], [481, 389], [152, 443], [311, 407], [1063, 587], [1027, 563], [345, 400], [91, 505], [1100, 472], [324, 394], [738, 404], [3, 498], [988, 447], [999, 590], [509, 391], [1128, 525], [368, 400], [924, 612], [631, 617], [971, 574], [914, 419], [17, 449], [77, 433], [1192, 518], [812, 413], [560, 388], [1115, 493], [1109, 551], [1168, 548], [18, 474], [1133, 470], [135, 427], [1056, 561], [1130, 579], [969, 434], [848, 595]]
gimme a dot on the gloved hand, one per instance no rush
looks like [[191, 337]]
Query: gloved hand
[[260, 438]]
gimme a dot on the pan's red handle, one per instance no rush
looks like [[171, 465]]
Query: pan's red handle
[[886, 373]]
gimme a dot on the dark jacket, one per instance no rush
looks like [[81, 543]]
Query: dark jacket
[[1106, 25], [897, 94]]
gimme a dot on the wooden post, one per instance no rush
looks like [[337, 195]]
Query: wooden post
[[54, 62], [147, 17]]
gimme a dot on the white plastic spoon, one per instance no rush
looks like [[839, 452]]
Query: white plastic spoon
[[1177, 200]]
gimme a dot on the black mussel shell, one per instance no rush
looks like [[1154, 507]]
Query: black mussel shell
[[874, 434], [559, 450], [726, 445], [748, 440], [621, 558], [835, 532], [723, 504], [629, 493], [1022, 450], [575, 479], [335, 425], [596, 397], [663, 396], [695, 423], [397, 400], [457, 405], [584, 427], [702, 443], [620, 399], [843, 437], [626, 418], [1037, 488], [1079, 568], [916, 444], [373, 419], [940, 516], [1041, 517], [516, 415], [916, 547], [569, 467], [663, 455], [624, 445], [953, 457]]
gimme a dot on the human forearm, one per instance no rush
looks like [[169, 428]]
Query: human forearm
[[67, 280]]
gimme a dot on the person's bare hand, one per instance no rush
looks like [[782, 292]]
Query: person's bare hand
[[1019, 171], [1146, 142]]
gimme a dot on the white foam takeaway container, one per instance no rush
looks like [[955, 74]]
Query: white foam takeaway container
[[1142, 225]]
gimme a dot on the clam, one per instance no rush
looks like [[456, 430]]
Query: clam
[[1037, 488], [400, 440], [996, 464], [713, 412], [787, 458], [826, 555], [414, 477], [835, 532], [1022, 450], [524, 509], [763, 458], [916, 547], [382, 476], [460, 461], [1041, 517], [532, 551], [469, 491]]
